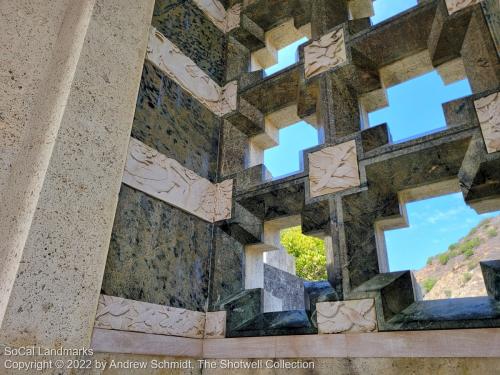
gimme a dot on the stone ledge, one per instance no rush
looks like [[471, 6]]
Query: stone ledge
[[472, 343]]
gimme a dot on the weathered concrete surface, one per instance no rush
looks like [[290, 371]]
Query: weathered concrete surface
[[58, 207]]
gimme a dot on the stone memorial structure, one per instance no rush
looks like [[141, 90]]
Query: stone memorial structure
[[138, 218]]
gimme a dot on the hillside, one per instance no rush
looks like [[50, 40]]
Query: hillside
[[456, 272]]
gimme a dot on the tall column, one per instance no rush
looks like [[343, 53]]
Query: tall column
[[77, 67]]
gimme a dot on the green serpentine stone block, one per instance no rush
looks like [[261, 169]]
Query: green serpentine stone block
[[194, 33], [158, 253], [171, 121]]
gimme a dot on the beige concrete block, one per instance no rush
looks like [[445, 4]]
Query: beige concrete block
[[215, 11], [374, 100], [284, 117], [137, 316], [488, 112], [285, 34], [452, 71], [333, 169], [276, 39], [346, 316], [166, 179], [59, 204], [263, 58], [169, 58], [215, 325], [137, 343], [268, 139], [406, 69], [254, 267], [327, 53], [361, 9], [456, 5]]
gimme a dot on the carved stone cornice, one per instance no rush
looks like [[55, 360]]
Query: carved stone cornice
[[127, 315], [225, 20], [333, 169], [170, 59], [346, 316], [326, 53], [166, 179]]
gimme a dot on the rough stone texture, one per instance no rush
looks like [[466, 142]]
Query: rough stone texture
[[228, 262], [168, 119], [233, 148], [153, 173], [61, 198], [491, 274], [284, 286], [158, 254], [333, 169], [456, 5], [126, 315], [185, 24], [225, 20], [215, 325], [346, 316], [327, 53], [488, 112], [171, 60]]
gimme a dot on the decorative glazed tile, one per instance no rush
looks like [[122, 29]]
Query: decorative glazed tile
[[170, 59], [215, 325], [333, 169], [488, 112], [128, 315], [326, 53], [163, 178], [346, 316], [224, 20], [456, 5]]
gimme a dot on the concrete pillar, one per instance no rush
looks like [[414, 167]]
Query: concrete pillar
[[70, 76]]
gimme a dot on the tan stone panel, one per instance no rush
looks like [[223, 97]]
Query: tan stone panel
[[137, 316], [61, 200], [264, 58], [166, 179], [333, 169], [111, 341], [284, 117], [452, 71], [325, 54], [361, 9], [169, 58], [223, 200], [406, 69], [224, 20], [374, 100], [456, 5], [488, 112], [467, 343], [215, 325], [276, 39], [346, 316], [284, 35]]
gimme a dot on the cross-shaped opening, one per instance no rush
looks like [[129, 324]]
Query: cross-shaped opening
[[443, 243]]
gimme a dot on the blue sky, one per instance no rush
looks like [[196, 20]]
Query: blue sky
[[434, 224], [414, 109]]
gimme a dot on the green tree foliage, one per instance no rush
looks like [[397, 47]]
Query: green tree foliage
[[444, 258], [428, 284], [492, 232], [309, 253]]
